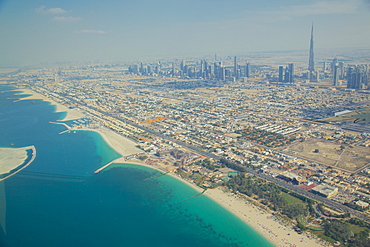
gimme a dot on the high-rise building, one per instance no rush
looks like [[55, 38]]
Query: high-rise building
[[182, 65], [223, 73], [247, 70], [358, 77], [336, 76], [311, 63], [333, 64], [235, 67], [281, 73], [341, 70], [216, 70], [325, 67], [201, 70], [173, 69], [141, 70], [291, 72], [238, 73], [205, 66], [286, 74], [158, 68]]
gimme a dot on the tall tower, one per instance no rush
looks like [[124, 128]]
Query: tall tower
[[235, 67], [173, 69], [281, 73], [336, 76], [182, 65], [291, 72], [247, 70], [311, 63]]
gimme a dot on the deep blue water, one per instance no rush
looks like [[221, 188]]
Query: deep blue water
[[58, 201]]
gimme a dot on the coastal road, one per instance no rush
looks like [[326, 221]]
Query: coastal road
[[279, 182]]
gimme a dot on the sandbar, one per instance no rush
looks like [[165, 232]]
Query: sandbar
[[12, 158]]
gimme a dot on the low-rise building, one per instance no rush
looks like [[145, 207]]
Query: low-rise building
[[325, 190]]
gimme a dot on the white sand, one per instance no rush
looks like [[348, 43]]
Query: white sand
[[71, 113], [262, 221], [121, 144], [11, 158]]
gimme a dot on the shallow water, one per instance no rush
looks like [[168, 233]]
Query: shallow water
[[58, 201]]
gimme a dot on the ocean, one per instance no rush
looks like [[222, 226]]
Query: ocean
[[58, 201]]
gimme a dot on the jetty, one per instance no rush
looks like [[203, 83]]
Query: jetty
[[156, 176], [64, 131], [65, 125], [195, 195], [103, 167]]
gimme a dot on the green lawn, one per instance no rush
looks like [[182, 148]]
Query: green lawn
[[316, 229], [292, 199], [355, 228], [301, 219]]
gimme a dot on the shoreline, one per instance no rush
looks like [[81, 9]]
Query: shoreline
[[13, 158], [71, 113], [265, 223], [262, 222]]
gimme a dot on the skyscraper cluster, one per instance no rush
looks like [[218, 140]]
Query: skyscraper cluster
[[199, 70], [145, 70], [337, 70], [358, 77], [287, 74]]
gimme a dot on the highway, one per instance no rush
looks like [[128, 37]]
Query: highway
[[279, 182]]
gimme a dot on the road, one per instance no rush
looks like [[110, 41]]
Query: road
[[279, 182]]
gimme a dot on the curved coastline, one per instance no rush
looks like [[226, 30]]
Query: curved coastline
[[22, 165], [263, 222], [253, 216]]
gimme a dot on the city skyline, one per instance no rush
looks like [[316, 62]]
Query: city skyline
[[44, 31]]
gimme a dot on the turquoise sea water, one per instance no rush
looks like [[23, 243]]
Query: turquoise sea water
[[58, 201]]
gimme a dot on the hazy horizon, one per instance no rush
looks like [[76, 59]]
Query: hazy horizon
[[51, 31]]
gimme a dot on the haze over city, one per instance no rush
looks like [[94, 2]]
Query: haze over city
[[55, 31], [185, 123]]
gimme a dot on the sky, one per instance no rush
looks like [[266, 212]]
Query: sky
[[48, 31]]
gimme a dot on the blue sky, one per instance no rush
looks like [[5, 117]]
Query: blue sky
[[86, 30]]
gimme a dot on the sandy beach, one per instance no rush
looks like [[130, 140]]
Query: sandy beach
[[195, 187], [259, 219], [262, 221], [121, 144], [71, 113]]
